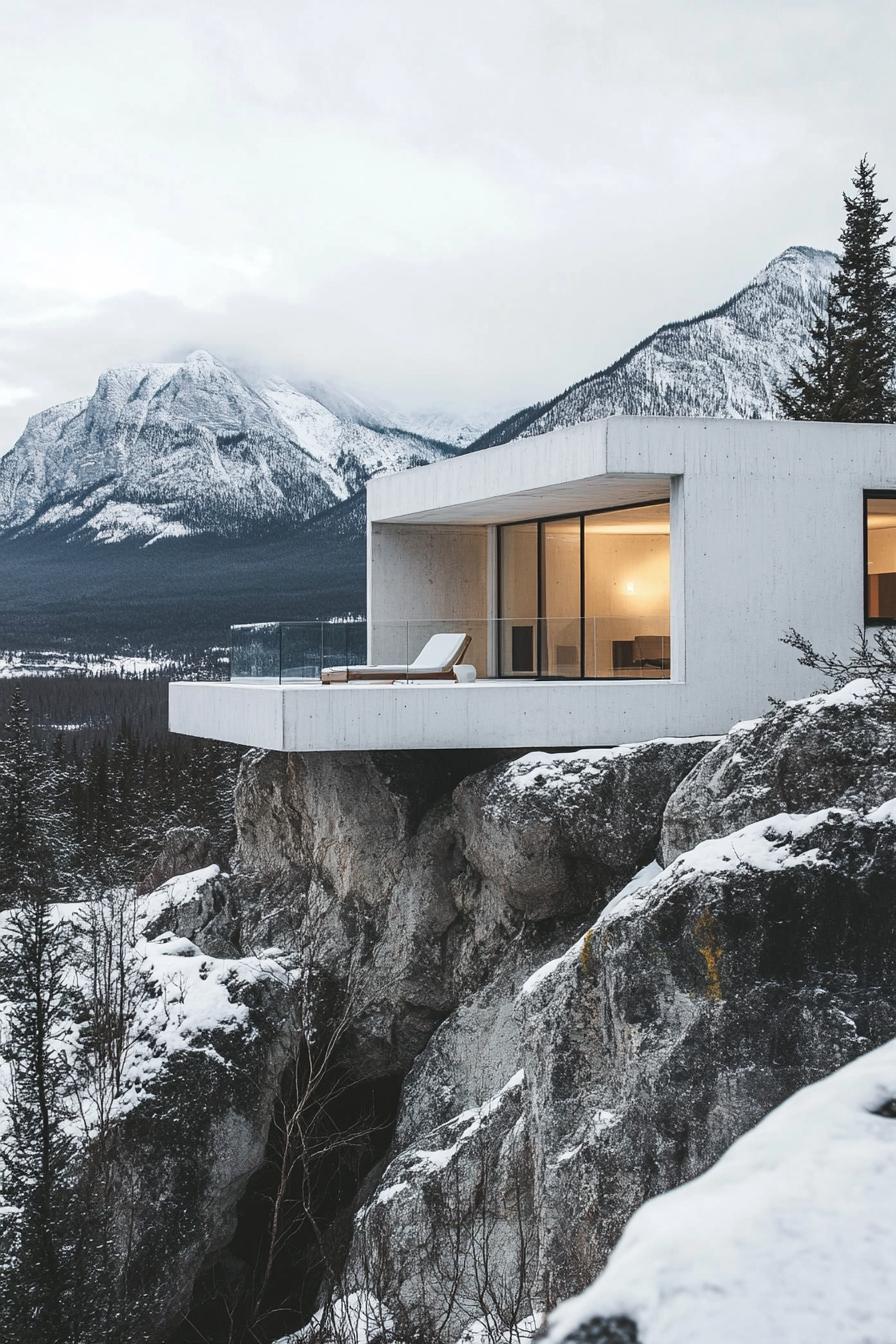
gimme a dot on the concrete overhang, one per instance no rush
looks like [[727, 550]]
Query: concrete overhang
[[567, 471]]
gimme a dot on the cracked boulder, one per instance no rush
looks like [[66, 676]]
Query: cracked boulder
[[184, 850], [556, 833]]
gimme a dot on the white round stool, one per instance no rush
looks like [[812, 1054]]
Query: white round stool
[[464, 672]]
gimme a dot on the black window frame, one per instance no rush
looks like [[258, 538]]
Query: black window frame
[[866, 496], [539, 596]]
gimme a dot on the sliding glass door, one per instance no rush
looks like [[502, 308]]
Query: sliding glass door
[[560, 626], [586, 595], [518, 599]]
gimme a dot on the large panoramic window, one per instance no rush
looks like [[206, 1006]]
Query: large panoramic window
[[627, 592], [586, 595], [880, 557]]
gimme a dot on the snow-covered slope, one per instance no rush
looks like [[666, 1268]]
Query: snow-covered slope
[[788, 1238], [168, 450], [444, 427], [726, 362]]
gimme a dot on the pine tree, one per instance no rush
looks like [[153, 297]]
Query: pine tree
[[866, 305], [813, 391], [33, 832], [38, 1283], [849, 372], [58, 1268], [38, 1288]]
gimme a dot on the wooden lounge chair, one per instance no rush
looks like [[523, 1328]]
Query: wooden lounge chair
[[434, 662]]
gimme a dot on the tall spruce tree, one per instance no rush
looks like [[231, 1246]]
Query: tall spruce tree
[[38, 1286], [849, 372]]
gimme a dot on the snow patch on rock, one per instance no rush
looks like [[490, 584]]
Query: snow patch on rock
[[177, 891], [789, 1234]]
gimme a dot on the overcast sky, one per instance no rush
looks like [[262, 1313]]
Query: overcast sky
[[448, 203]]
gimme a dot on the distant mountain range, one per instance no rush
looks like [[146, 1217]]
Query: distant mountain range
[[217, 497]]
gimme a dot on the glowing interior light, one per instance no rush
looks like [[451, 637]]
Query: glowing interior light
[[629, 587]]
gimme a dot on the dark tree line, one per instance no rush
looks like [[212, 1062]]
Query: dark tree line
[[848, 374], [121, 795]]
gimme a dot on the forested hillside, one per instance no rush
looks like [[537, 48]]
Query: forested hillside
[[118, 779]]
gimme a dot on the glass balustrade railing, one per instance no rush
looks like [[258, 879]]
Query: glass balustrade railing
[[596, 648]]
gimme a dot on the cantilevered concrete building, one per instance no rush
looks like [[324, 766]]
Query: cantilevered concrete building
[[624, 579]]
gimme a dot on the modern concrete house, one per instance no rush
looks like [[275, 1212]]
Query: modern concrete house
[[620, 580]]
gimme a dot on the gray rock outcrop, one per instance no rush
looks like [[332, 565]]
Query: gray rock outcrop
[[183, 1147], [696, 1003], [184, 849], [831, 750], [396, 882], [426, 875]]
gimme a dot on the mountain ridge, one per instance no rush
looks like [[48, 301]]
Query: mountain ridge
[[798, 278], [162, 451]]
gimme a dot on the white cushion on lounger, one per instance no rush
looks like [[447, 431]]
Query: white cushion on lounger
[[438, 653]]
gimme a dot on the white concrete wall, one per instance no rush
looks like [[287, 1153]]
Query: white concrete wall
[[420, 579], [247, 713], [431, 715], [773, 538]]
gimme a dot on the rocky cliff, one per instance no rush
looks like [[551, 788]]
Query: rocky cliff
[[519, 1024]]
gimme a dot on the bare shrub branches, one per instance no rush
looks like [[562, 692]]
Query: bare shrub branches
[[871, 657]]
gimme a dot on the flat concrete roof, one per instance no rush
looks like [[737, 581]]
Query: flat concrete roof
[[565, 471], [623, 459]]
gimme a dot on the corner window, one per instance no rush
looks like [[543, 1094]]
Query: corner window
[[586, 595], [880, 558]]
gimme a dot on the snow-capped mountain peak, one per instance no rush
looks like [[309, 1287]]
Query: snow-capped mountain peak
[[724, 363], [166, 450]]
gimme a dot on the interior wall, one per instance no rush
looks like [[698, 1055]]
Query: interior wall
[[422, 581], [881, 561], [882, 550]]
